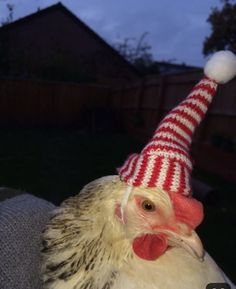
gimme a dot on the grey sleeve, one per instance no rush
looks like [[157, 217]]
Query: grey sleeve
[[22, 219]]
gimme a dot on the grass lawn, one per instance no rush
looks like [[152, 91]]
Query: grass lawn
[[55, 164]]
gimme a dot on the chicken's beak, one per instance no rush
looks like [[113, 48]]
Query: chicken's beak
[[191, 243]]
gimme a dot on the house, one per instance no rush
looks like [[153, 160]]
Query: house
[[173, 68], [53, 44]]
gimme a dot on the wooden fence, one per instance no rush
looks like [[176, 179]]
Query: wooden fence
[[138, 106], [36, 103], [142, 105]]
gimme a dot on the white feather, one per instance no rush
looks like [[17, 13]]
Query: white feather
[[175, 270]]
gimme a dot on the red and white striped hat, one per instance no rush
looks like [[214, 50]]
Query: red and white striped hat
[[165, 161]]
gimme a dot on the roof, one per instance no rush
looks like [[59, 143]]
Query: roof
[[169, 68], [62, 8], [177, 65]]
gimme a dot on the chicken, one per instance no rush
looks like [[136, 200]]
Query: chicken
[[86, 244], [136, 230]]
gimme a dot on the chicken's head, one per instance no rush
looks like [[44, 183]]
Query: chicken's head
[[89, 239], [156, 221]]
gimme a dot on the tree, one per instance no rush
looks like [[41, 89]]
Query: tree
[[138, 52], [9, 18], [4, 50], [223, 24], [132, 49]]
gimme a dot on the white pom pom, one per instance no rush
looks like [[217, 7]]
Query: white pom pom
[[221, 67]]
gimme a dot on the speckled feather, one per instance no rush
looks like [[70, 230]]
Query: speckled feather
[[83, 245], [86, 247]]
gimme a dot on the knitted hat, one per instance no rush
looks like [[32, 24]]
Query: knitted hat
[[165, 161]]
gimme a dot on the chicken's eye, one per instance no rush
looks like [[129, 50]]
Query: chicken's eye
[[148, 205]]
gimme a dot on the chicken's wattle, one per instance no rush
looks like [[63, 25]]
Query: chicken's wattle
[[150, 246]]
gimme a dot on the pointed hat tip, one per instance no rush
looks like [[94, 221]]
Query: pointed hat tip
[[221, 67]]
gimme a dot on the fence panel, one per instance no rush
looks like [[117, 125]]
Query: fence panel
[[36, 103], [142, 106], [139, 106]]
